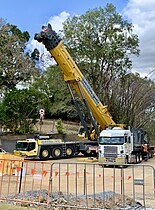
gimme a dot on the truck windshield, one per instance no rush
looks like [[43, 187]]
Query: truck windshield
[[111, 140], [25, 146]]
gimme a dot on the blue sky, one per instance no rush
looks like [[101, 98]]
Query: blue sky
[[31, 15]]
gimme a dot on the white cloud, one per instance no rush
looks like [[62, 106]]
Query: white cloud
[[142, 15], [56, 21]]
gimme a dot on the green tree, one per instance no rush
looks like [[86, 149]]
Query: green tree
[[51, 83], [16, 66], [133, 100], [19, 109], [35, 54], [101, 42]]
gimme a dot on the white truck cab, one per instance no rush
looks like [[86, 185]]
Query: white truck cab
[[115, 146]]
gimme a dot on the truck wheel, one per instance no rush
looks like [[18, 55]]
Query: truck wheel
[[69, 152], [57, 152], [44, 154]]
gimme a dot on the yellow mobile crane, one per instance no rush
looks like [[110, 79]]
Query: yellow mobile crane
[[44, 147], [74, 78]]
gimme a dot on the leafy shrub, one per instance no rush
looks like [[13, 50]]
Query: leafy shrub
[[59, 126]]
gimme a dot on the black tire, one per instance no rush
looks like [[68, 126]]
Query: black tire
[[70, 152], [57, 152], [44, 153]]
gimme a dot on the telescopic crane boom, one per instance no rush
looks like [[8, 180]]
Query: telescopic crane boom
[[74, 77]]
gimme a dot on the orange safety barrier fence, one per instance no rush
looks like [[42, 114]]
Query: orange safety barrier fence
[[75, 185], [25, 181]]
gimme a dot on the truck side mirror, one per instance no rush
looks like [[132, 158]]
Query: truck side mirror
[[126, 139], [129, 140]]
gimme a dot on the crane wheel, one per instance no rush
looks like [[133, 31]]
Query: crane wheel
[[69, 152], [57, 152], [44, 153]]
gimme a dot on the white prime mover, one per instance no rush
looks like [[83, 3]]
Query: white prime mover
[[120, 146]]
